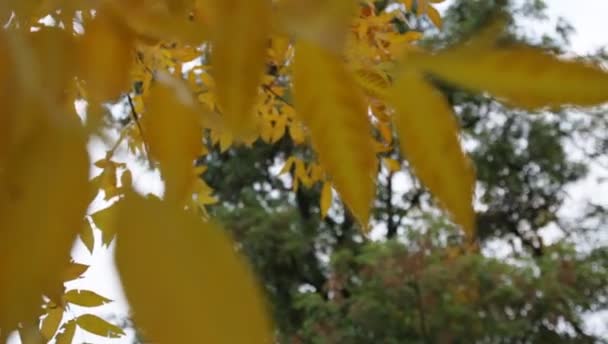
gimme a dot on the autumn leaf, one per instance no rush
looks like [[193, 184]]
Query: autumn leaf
[[87, 236], [428, 133], [104, 219], [175, 137], [67, 333], [329, 103], [106, 52], [392, 165], [73, 271], [324, 23], [523, 76], [85, 298], [152, 23], [240, 31], [96, 325], [198, 279], [51, 321], [326, 198], [37, 231]]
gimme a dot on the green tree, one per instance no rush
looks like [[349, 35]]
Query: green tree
[[329, 284]]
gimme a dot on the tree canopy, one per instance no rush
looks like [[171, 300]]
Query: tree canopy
[[343, 94]]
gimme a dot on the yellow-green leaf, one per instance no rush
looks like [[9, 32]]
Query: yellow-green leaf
[[428, 133], [198, 280], [51, 322], [329, 103], [87, 236], [66, 336], [74, 271], [523, 76], [240, 30], [85, 298], [96, 325], [104, 220]]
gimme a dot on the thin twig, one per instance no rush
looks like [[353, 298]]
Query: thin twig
[[278, 96], [135, 117]]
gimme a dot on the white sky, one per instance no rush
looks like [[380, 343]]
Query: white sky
[[587, 16]]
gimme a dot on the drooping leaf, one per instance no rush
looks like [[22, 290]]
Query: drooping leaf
[[85, 298], [67, 333], [428, 133], [329, 103], [36, 230], [434, 16], [326, 198], [523, 76], [87, 236], [152, 24], [175, 137], [104, 220], [324, 23], [240, 30], [96, 325], [30, 334], [51, 322], [105, 55], [198, 278]]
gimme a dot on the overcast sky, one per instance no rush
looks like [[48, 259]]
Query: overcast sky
[[587, 16]]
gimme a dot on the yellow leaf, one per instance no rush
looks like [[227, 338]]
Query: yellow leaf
[[321, 22], [104, 220], [152, 23], [51, 322], [30, 334], [87, 236], [392, 165], [329, 103], [326, 198], [373, 82], [55, 48], [206, 292], [240, 30], [66, 336], [288, 165], [126, 179], [523, 76], [105, 56], [47, 193], [74, 271], [428, 133], [85, 298], [409, 4], [96, 325], [296, 131], [434, 16], [301, 173], [175, 137]]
